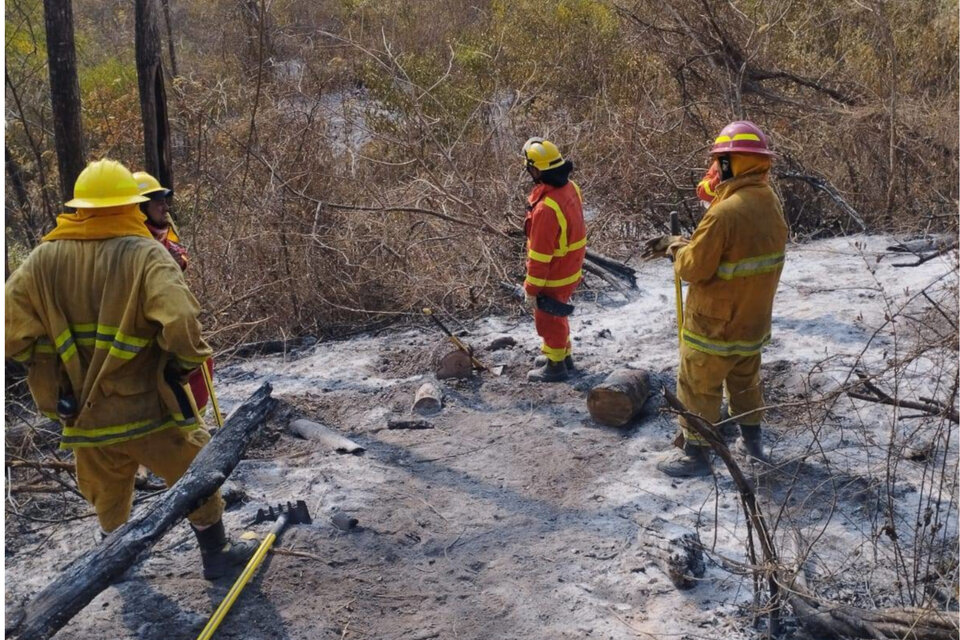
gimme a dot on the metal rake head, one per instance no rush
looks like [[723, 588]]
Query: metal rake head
[[296, 513]]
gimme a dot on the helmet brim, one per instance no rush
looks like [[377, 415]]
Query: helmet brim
[[163, 192], [756, 152], [102, 203]]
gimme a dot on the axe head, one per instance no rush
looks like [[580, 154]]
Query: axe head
[[296, 513]]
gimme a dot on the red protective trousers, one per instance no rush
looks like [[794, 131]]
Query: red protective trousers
[[554, 330]]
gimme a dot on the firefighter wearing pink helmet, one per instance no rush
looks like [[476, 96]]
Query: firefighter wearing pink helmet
[[732, 264]]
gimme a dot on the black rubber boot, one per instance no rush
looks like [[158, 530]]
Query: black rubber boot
[[750, 443], [690, 462], [568, 361], [550, 372], [221, 556]]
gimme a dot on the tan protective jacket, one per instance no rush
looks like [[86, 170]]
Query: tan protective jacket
[[101, 319], [733, 265]]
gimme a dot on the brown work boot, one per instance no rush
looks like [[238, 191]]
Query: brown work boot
[[550, 372], [690, 462], [568, 361], [750, 443], [220, 556]]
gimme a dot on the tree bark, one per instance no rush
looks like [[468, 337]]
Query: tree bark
[[84, 579], [619, 398], [173, 57], [153, 95], [429, 399], [64, 92]]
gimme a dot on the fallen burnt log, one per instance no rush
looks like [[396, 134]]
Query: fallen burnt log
[[621, 270], [85, 578], [823, 619]]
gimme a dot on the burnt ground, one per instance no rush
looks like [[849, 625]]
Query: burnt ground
[[514, 515]]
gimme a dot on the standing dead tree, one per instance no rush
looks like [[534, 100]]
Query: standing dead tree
[[153, 95], [64, 92], [170, 47]]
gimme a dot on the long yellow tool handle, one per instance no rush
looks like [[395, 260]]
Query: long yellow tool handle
[[679, 295], [237, 587], [678, 290], [479, 365], [213, 394]]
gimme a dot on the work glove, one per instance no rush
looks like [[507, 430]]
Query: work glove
[[657, 247], [530, 302], [676, 246]]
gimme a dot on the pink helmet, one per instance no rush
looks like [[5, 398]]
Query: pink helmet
[[741, 136]]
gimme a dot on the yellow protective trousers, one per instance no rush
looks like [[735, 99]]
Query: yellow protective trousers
[[701, 383], [105, 475]]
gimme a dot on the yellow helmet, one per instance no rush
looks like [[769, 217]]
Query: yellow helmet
[[148, 185], [105, 183], [541, 154]]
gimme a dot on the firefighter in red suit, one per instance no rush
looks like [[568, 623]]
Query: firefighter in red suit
[[556, 244]]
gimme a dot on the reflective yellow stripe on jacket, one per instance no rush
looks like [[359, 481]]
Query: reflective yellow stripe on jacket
[[750, 266], [564, 248], [99, 336], [103, 436]]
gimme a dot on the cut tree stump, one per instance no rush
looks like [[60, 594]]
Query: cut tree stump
[[615, 401], [85, 578], [429, 399], [327, 437], [451, 362], [676, 550]]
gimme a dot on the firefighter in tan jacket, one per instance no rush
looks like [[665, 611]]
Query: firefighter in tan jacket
[[733, 264], [102, 318]]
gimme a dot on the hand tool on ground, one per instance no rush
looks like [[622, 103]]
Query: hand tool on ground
[[678, 290], [545, 303], [213, 394], [284, 515], [496, 370]]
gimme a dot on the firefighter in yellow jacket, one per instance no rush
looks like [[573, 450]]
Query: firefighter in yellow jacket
[[102, 318], [733, 264]]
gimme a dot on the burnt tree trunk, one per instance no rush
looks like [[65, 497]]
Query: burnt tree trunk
[[85, 578], [15, 178], [153, 95], [64, 92], [169, 23]]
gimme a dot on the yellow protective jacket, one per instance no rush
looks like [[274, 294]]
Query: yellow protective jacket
[[733, 265], [101, 319]]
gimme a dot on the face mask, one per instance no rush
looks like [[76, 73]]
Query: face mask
[[726, 170]]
